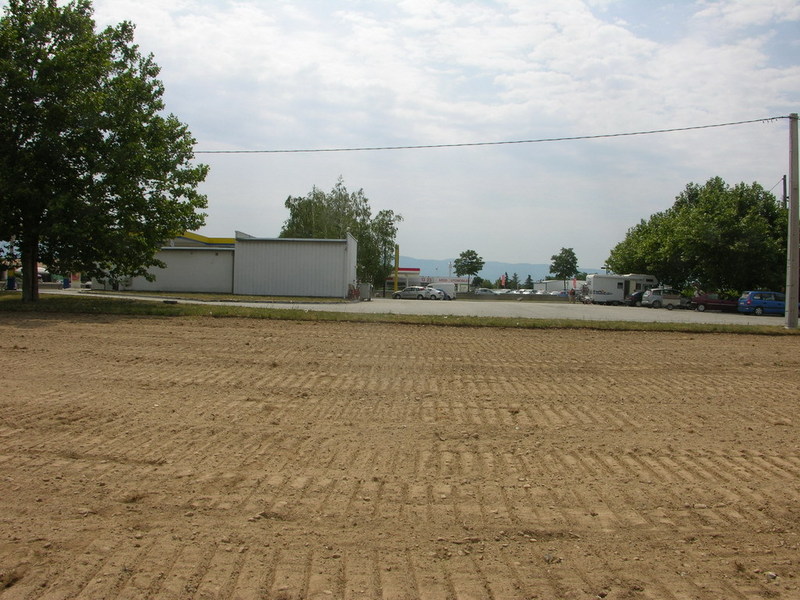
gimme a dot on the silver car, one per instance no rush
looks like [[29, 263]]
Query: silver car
[[436, 293], [414, 291], [666, 297]]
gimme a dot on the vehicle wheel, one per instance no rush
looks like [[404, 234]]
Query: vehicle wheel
[[656, 304], [396, 296], [758, 311], [420, 297], [701, 308], [670, 307]]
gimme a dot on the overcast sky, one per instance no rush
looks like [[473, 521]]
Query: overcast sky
[[322, 74]]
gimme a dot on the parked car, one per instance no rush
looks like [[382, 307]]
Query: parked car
[[560, 293], [437, 294], [414, 291], [666, 297], [762, 303], [484, 292], [635, 299], [703, 302]]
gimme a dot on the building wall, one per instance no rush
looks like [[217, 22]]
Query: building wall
[[253, 266], [294, 267], [190, 270]]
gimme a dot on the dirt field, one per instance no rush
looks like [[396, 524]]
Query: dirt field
[[216, 458]]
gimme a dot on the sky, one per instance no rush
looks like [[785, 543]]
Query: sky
[[256, 75]]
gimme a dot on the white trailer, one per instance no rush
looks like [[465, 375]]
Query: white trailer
[[604, 288]]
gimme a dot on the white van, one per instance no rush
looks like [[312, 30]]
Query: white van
[[449, 289]]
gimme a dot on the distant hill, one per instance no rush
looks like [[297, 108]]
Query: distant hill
[[492, 270]]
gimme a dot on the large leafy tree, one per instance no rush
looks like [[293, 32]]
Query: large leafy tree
[[564, 265], [724, 237], [468, 263], [93, 176], [331, 216]]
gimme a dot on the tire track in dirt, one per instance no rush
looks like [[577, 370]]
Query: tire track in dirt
[[416, 462]]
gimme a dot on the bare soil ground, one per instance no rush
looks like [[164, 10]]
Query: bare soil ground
[[221, 458]]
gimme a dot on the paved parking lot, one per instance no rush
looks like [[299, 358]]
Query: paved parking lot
[[524, 309], [542, 310]]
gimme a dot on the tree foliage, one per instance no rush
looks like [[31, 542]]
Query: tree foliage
[[725, 238], [93, 176], [564, 265], [468, 263], [509, 283], [332, 216]]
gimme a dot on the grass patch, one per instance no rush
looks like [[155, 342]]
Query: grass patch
[[98, 304]]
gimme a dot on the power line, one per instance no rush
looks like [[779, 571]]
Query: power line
[[502, 143], [780, 181]]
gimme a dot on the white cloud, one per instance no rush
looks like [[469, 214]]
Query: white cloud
[[246, 74], [742, 14]]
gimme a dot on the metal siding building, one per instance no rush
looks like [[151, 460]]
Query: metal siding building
[[189, 270], [294, 267], [252, 266]]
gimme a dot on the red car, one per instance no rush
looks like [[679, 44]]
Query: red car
[[714, 302]]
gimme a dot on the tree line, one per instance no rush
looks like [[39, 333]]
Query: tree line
[[715, 236], [564, 266]]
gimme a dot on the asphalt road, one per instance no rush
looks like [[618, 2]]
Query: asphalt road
[[506, 308]]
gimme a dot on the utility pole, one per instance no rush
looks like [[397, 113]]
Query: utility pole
[[396, 265], [793, 242]]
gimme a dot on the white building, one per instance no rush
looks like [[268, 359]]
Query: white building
[[248, 265]]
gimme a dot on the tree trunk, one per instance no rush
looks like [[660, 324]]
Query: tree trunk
[[30, 270]]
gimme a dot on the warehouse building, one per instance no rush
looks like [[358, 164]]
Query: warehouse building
[[247, 265]]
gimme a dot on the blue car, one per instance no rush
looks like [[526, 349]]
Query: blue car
[[762, 303]]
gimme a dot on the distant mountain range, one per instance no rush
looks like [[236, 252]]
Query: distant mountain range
[[492, 270]]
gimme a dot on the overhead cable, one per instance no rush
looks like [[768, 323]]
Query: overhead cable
[[501, 143]]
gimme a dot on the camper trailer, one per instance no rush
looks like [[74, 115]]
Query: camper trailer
[[604, 288], [637, 282]]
